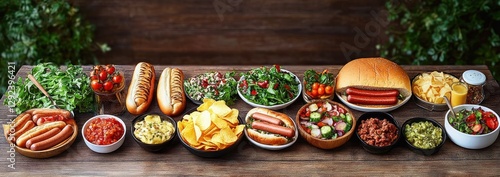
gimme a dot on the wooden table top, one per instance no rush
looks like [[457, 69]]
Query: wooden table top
[[301, 159]]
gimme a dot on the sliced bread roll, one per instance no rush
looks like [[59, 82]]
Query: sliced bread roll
[[373, 74]]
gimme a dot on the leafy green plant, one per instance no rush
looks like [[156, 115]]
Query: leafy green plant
[[33, 32], [453, 32]]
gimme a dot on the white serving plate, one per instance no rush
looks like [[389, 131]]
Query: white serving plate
[[372, 109]]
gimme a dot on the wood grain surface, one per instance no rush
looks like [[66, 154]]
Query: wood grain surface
[[294, 32], [301, 159]]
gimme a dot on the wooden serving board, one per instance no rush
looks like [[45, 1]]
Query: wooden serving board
[[53, 151]]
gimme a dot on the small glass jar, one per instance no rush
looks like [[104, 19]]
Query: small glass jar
[[111, 102], [475, 81]]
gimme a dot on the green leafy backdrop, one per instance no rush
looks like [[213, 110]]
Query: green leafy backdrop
[[33, 32], [453, 32]]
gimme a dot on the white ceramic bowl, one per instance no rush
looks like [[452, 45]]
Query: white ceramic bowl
[[104, 148], [274, 107], [466, 140]]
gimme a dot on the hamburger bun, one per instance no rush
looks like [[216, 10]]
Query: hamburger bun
[[373, 74]]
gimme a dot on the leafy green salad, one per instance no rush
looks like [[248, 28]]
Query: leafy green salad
[[269, 86], [475, 121], [213, 85], [69, 88]]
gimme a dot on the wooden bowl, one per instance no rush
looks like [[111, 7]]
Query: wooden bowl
[[324, 143], [55, 150]]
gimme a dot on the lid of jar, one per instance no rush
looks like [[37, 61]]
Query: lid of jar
[[474, 77]]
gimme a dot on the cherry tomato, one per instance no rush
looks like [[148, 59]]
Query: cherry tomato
[[329, 90], [96, 85], [471, 118], [94, 77], [321, 91], [492, 125], [314, 93], [315, 86], [117, 79], [309, 93], [108, 85], [98, 68], [110, 69], [103, 75]]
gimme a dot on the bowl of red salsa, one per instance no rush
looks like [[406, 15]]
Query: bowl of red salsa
[[104, 133]]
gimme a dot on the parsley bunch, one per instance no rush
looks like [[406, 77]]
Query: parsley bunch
[[69, 88]]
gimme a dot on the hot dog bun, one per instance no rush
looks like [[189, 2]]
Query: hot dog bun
[[140, 91], [373, 74], [170, 92], [269, 139]]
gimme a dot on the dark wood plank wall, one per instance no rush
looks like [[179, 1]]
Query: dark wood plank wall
[[288, 32]]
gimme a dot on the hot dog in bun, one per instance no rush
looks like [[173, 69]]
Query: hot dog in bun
[[373, 82], [269, 127], [170, 92], [140, 91]]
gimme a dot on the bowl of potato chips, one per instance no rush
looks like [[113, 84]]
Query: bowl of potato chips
[[211, 130], [430, 88]]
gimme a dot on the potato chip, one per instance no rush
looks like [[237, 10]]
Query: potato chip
[[214, 126], [197, 132], [188, 133], [232, 117], [220, 123], [238, 129], [220, 108], [207, 102], [204, 120], [433, 86], [228, 136]]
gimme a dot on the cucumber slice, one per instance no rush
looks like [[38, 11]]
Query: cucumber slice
[[315, 117], [326, 132], [348, 118]]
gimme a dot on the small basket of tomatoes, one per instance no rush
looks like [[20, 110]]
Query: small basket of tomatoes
[[108, 86], [318, 85]]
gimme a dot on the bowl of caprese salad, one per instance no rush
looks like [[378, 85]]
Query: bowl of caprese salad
[[325, 124]]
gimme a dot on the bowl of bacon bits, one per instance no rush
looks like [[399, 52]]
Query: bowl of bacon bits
[[104, 133], [378, 132], [325, 124]]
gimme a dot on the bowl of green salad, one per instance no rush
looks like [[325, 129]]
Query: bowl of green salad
[[269, 87], [473, 126], [214, 85]]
